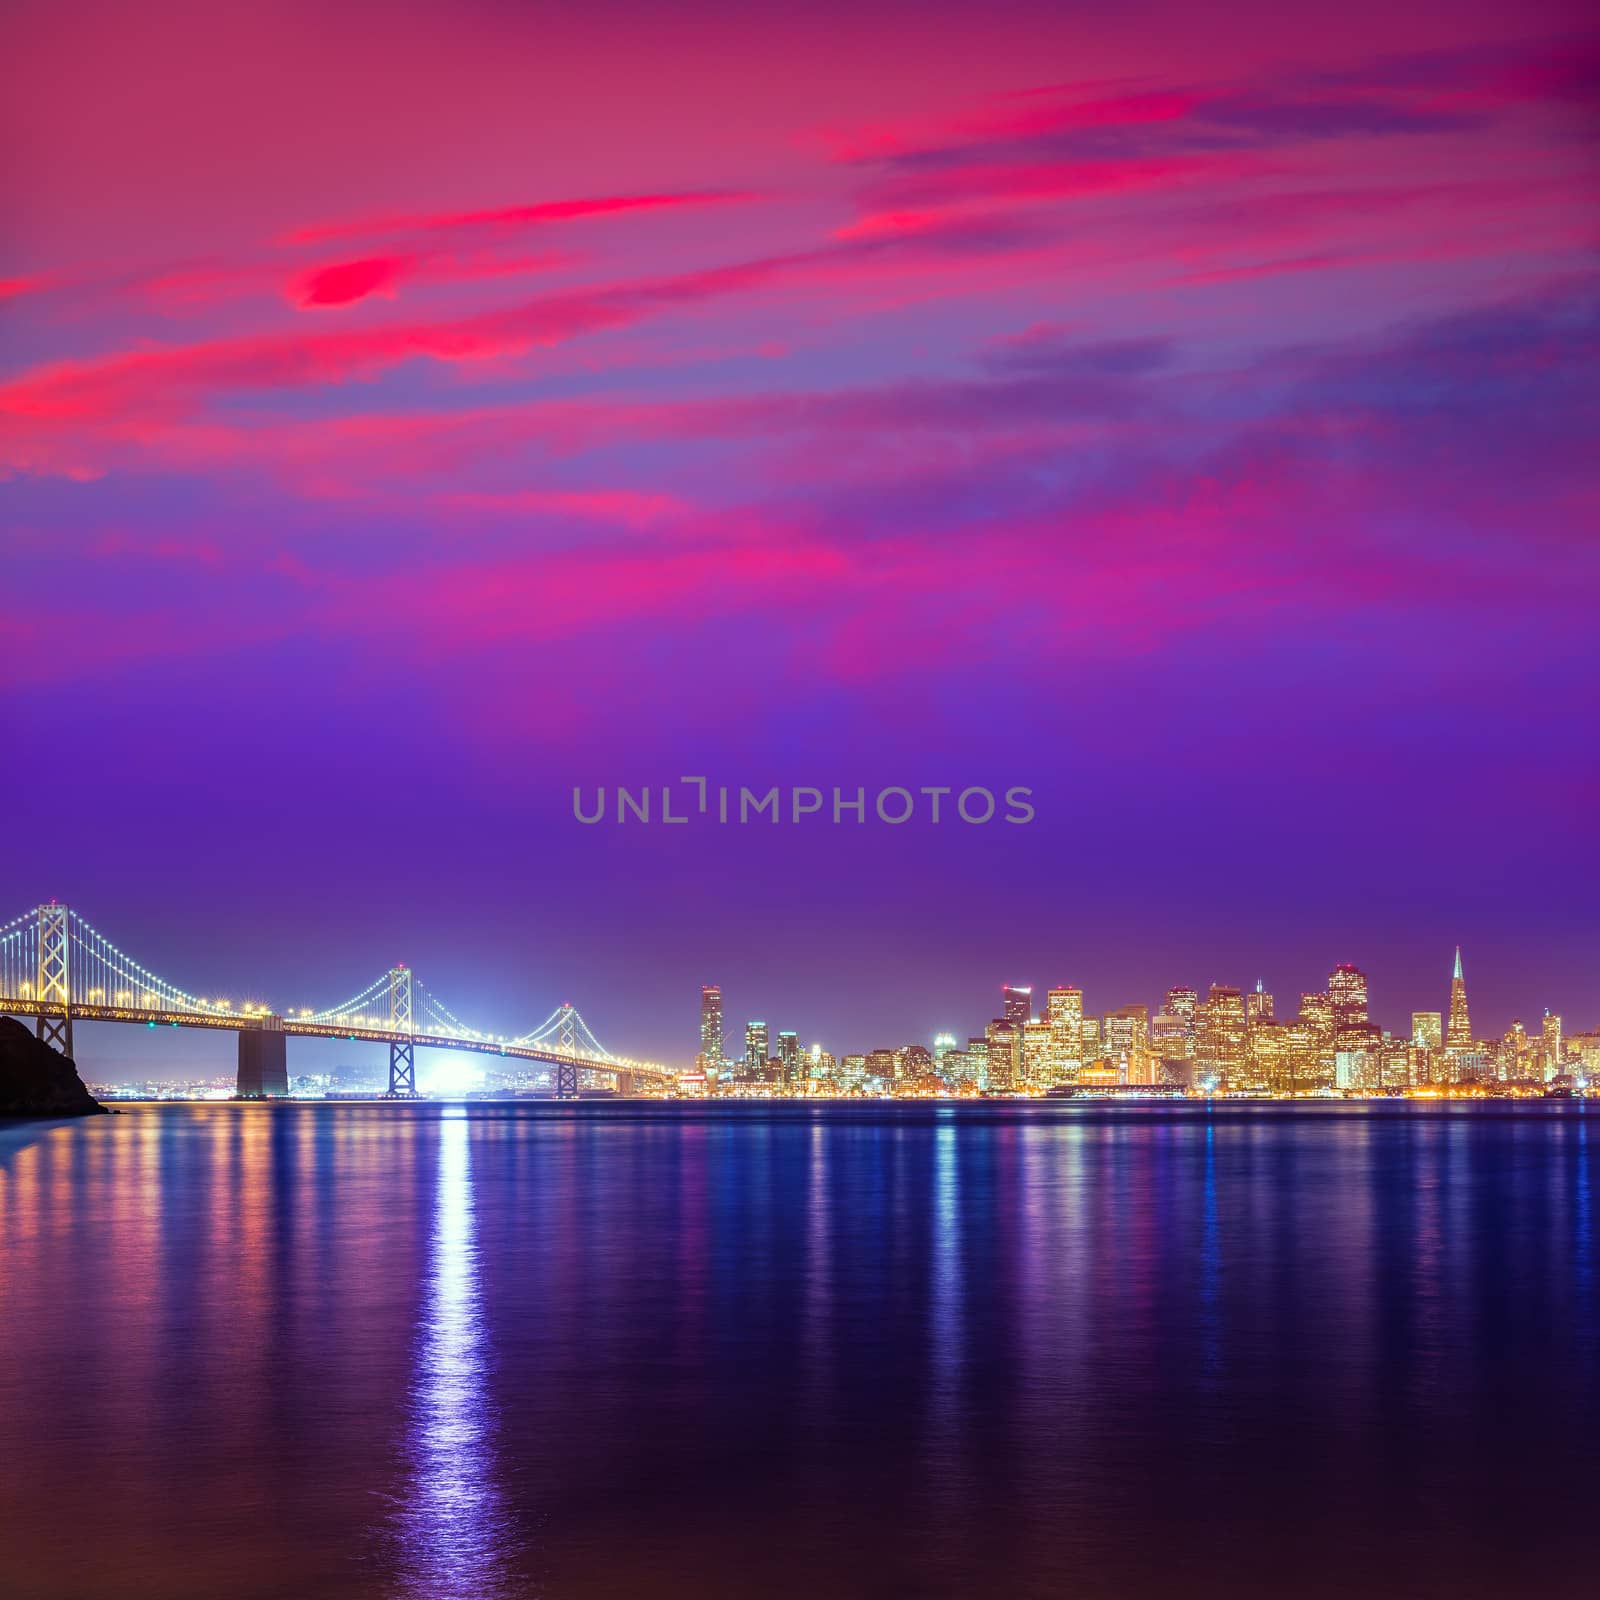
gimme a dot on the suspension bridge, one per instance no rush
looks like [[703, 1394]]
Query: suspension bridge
[[57, 968]]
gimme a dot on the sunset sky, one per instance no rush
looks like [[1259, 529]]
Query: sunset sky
[[410, 412]]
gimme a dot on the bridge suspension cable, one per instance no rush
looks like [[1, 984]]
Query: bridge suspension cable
[[566, 1026]]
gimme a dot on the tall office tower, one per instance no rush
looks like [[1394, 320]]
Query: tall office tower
[[1270, 1062], [1427, 1029], [1091, 1038], [943, 1044], [1347, 995], [1258, 1005], [1552, 1046], [1220, 1036], [1316, 1013], [1128, 1037], [1063, 1011], [1183, 1003], [1016, 1004], [1301, 1048], [755, 1048], [915, 1061], [789, 1056], [1005, 1053], [1169, 1043], [1458, 1029], [1037, 1041], [711, 1023]]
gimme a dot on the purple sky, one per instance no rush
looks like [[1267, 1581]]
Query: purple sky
[[407, 414]]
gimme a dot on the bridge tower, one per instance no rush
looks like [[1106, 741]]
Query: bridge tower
[[54, 986], [403, 1047], [567, 1042]]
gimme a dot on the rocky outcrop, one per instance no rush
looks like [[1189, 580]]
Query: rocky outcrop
[[37, 1082]]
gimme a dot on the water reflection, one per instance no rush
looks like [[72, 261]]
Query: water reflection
[[453, 1532]]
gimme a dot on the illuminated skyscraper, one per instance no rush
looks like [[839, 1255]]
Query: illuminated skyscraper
[[1063, 1011], [1171, 1041], [1005, 1053], [1220, 1036], [755, 1048], [943, 1044], [1258, 1005], [1182, 1003], [1458, 1029], [1038, 1039], [1427, 1030], [1016, 1004], [789, 1056], [711, 1023], [1316, 1014], [1128, 1038], [1552, 1045], [1347, 996], [1270, 1055]]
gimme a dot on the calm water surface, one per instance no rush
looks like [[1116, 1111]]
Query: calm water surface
[[625, 1351]]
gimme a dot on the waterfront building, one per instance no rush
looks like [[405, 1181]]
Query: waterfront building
[[1127, 1036], [957, 1068]]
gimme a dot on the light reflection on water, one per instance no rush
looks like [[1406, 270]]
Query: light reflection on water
[[612, 1351], [453, 1531]]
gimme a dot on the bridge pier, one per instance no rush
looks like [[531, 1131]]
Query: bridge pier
[[56, 1031], [566, 1081], [402, 1068], [263, 1061]]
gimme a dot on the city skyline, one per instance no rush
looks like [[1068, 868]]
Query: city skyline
[[1333, 1031]]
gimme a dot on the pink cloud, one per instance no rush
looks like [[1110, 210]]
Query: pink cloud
[[347, 281], [632, 508], [506, 217]]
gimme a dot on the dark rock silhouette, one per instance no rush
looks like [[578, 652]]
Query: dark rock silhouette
[[35, 1081]]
